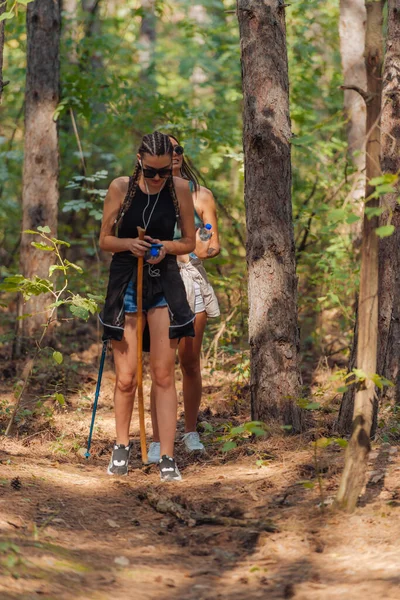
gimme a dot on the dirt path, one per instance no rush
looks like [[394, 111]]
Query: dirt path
[[68, 531]]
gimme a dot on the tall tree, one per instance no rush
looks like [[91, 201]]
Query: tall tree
[[147, 38], [273, 331], [41, 158], [2, 10], [70, 25], [352, 43], [367, 337], [389, 249]]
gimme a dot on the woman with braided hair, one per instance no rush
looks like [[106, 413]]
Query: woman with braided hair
[[202, 300], [155, 200]]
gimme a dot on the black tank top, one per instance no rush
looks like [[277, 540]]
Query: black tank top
[[163, 219]]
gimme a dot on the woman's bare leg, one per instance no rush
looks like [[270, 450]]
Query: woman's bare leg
[[162, 368], [189, 350], [125, 360]]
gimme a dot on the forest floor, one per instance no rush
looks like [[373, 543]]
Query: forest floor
[[69, 531]]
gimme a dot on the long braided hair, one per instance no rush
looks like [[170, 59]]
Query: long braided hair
[[188, 170], [155, 144]]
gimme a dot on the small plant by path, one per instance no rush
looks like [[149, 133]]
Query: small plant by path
[[79, 306]]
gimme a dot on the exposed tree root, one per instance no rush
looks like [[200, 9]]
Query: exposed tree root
[[193, 519]]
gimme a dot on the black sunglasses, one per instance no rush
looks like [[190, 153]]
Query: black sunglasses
[[150, 173], [178, 150]]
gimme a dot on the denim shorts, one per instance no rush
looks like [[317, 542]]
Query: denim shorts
[[130, 301]]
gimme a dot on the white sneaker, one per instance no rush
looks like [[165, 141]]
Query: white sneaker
[[153, 455], [192, 442]]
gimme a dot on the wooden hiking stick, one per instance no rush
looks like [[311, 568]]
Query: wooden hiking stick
[[139, 302]]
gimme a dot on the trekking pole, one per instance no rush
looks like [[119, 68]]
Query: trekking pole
[[96, 397], [139, 302]]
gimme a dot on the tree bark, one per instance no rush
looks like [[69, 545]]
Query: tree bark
[[70, 24], [367, 340], [147, 38], [273, 331], [389, 249], [41, 158], [352, 44], [2, 10]]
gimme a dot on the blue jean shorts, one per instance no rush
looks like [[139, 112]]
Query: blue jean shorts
[[130, 301]]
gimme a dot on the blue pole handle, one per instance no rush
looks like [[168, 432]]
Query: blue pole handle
[[96, 397]]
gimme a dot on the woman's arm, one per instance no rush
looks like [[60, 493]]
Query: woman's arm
[[188, 240], [112, 203], [207, 210]]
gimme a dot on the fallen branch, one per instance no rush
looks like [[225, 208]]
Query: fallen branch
[[193, 519]]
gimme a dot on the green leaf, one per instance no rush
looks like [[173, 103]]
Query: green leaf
[[30, 231], [86, 303], [56, 268], [207, 426], [374, 211], [45, 229], [79, 311], [383, 179], [313, 406], [352, 219], [323, 442], [342, 389], [59, 398], [25, 2], [58, 303], [341, 442], [6, 15], [334, 298], [258, 431], [306, 483], [24, 316], [337, 214], [387, 382], [58, 357], [237, 430], [42, 246], [360, 374], [73, 265], [228, 446], [385, 231], [61, 242]]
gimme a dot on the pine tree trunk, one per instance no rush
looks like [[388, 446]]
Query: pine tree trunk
[[273, 330], [70, 25], [389, 249], [147, 38], [2, 10], [352, 44], [367, 341], [41, 159]]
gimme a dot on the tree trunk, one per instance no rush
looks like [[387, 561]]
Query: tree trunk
[[352, 45], [2, 10], [147, 38], [357, 452], [70, 24], [389, 249], [273, 331], [41, 160]]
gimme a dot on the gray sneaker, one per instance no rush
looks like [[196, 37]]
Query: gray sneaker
[[119, 463], [168, 469], [153, 455], [192, 442]]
